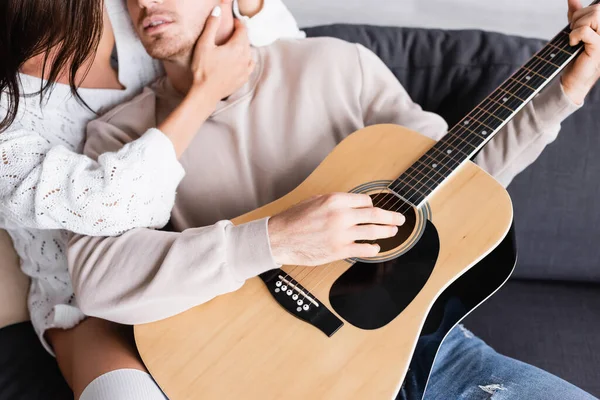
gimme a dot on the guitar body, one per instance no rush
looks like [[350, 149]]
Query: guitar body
[[246, 345]]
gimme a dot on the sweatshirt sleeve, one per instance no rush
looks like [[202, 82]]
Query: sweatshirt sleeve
[[147, 275], [274, 21], [46, 186], [517, 145]]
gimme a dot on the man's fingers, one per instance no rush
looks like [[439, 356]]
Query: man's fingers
[[374, 215], [581, 13], [211, 28], [363, 250], [373, 232], [586, 35], [591, 19], [348, 200], [574, 6]]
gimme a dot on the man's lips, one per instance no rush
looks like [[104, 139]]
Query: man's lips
[[155, 23]]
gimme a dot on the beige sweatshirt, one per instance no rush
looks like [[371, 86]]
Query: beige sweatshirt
[[304, 97]]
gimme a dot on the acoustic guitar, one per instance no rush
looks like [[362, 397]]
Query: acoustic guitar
[[355, 329]]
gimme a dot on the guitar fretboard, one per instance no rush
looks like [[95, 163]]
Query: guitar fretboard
[[467, 137]]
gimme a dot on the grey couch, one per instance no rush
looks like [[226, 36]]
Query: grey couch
[[549, 313]]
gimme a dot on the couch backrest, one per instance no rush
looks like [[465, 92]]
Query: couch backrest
[[557, 214]]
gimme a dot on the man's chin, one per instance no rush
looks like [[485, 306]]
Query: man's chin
[[164, 51]]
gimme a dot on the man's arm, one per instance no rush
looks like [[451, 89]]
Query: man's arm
[[147, 275], [515, 147]]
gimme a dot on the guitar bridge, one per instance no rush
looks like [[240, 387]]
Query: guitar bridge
[[299, 302]]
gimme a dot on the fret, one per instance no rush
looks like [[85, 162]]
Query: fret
[[478, 129], [510, 94], [491, 107], [413, 193], [446, 160], [482, 120], [560, 49], [515, 98], [427, 169], [543, 69], [489, 113], [449, 145], [470, 127], [502, 105], [511, 102], [465, 138], [557, 57], [547, 61], [450, 150], [522, 89], [407, 179], [439, 164], [524, 84], [466, 141], [531, 78], [536, 73], [415, 186]]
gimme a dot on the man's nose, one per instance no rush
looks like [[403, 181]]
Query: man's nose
[[148, 3]]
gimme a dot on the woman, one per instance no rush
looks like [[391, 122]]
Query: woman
[[55, 79]]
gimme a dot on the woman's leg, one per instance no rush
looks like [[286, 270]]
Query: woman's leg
[[123, 384], [14, 285], [467, 368], [99, 360]]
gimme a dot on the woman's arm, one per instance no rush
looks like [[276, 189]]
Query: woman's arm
[[50, 187]]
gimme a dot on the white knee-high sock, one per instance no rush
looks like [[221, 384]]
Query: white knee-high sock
[[123, 384]]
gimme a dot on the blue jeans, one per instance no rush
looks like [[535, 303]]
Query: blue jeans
[[465, 368], [468, 369]]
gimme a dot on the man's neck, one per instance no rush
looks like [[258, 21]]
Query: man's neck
[[180, 75], [179, 70]]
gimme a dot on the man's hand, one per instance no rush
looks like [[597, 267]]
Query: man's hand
[[581, 75], [325, 229], [219, 71]]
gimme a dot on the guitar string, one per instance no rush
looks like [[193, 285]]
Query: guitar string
[[498, 103], [540, 61], [516, 82], [494, 100], [536, 61]]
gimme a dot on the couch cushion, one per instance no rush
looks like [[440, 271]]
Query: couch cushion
[[553, 326], [27, 370], [449, 72]]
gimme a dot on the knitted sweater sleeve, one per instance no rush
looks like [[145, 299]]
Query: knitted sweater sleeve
[[45, 186]]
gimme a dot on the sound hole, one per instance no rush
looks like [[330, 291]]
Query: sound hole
[[390, 202]]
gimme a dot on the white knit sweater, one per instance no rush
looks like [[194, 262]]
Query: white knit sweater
[[46, 187]]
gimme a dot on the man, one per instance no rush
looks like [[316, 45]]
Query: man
[[303, 98]]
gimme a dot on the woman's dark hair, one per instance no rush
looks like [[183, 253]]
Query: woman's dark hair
[[71, 29]]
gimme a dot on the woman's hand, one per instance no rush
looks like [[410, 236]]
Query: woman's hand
[[250, 8], [581, 75], [219, 71]]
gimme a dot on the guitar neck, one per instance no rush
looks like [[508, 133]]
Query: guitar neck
[[475, 130]]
